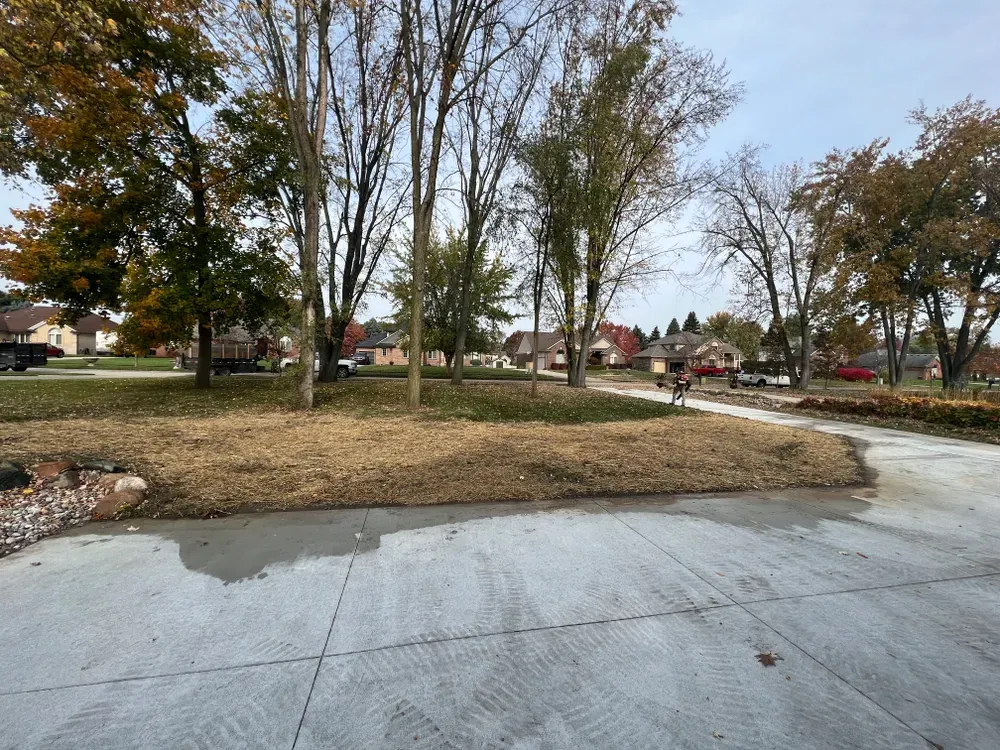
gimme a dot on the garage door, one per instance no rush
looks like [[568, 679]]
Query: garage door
[[541, 362], [659, 366]]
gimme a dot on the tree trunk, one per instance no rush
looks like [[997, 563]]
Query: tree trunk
[[421, 238], [203, 374], [534, 356], [464, 312], [334, 345], [805, 350], [309, 279]]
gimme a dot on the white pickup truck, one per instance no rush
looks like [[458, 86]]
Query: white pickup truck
[[764, 379], [345, 367]]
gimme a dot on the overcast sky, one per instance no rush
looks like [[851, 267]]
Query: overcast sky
[[818, 75]]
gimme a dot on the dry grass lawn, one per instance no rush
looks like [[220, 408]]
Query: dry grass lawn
[[283, 460]]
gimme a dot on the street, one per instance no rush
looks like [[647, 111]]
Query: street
[[804, 618]]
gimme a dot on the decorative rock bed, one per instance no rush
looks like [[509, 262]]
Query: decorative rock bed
[[52, 496]]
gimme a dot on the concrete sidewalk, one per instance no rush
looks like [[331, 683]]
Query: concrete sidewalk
[[597, 623]]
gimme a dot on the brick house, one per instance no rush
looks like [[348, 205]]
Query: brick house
[[32, 325], [684, 351], [386, 349], [552, 351]]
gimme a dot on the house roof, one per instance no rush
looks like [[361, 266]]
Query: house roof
[[656, 350], [878, 358], [372, 341], [693, 340], [546, 340], [26, 318]]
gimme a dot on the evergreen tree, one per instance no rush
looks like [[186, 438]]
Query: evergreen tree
[[691, 323], [674, 327], [655, 334], [641, 337]]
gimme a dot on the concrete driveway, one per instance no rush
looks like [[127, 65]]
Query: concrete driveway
[[601, 623]]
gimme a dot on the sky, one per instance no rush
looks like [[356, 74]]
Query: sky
[[818, 75]]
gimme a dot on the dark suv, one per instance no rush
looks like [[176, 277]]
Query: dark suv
[[361, 359]]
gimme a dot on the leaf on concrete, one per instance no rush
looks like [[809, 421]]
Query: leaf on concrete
[[768, 658]]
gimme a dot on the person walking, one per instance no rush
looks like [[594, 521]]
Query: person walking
[[681, 384]]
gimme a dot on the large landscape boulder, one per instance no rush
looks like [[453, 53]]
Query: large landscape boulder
[[53, 468], [67, 480], [115, 503], [13, 476], [109, 467], [130, 483]]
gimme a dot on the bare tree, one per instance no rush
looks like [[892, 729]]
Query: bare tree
[[485, 140], [438, 40], [368, 105], [775, 227], [291, 39]]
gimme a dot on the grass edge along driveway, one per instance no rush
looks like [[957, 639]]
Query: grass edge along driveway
[[241, 446]]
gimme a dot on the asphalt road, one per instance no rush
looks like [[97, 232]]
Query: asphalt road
[[600, 623]]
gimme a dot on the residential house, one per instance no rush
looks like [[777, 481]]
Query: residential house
[[684, 351], [552, 351], [918, 366], [387, 349], [36, 325]]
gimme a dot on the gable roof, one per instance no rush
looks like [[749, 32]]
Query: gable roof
[[546, 340], [371, 341], [694, 340], [655, 350], [26, 318], [879, 358]]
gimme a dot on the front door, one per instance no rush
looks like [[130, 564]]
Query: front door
[[540, 364]]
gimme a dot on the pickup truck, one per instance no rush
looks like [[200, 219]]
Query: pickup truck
[[345, 367], [710, 371], [764, 379]]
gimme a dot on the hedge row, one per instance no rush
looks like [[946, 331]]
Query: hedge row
[[855, 374], [931, 410]]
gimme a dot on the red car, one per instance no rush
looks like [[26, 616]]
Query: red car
[[53, 351], [710, 371]]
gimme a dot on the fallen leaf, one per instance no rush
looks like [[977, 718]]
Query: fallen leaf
[[28, 491], [35, 564], [788, 677], [721, 574], [718, 735], [132, 528], [864, 556], [844, 553], [768, 658]]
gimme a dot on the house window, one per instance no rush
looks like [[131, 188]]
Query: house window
[[22, 338], [406, 353], [711, 361], [55, 336], [385, 352], [613, 358]]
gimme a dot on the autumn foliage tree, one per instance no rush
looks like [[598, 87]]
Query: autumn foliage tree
[[621, 336], [105, 114]]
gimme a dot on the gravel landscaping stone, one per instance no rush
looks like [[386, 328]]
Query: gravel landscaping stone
[[33, 506]]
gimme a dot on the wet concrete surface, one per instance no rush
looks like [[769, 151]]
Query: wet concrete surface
[[606, 622]]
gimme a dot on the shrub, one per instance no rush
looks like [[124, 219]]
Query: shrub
[[855, 374], [476, 363], [597, 367], [931, 410], [558, 366]]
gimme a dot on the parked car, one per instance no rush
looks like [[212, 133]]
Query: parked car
[[54, 351], [764, 379], [345, 367], [361, 359], [710, 370]]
